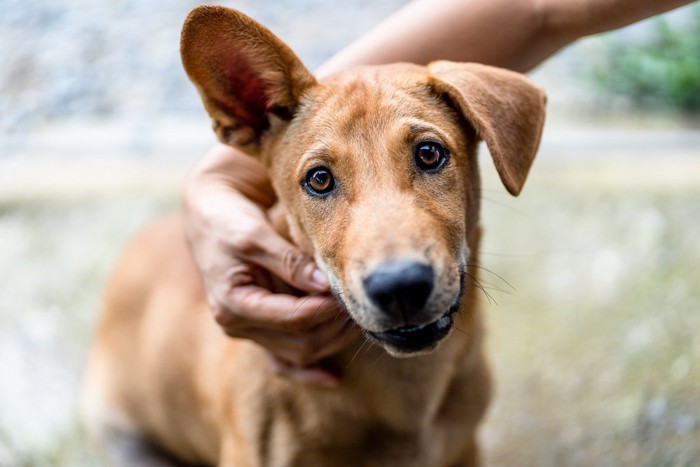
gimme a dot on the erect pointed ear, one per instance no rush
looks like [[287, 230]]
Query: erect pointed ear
[[243, 73], [505, 109]]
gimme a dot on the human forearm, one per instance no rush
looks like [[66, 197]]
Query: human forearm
[[505, 33], [515, 34]]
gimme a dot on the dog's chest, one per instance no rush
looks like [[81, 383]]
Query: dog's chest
[[353, 443], [383, 424]]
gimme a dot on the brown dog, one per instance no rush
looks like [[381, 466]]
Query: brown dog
[[376, 171]]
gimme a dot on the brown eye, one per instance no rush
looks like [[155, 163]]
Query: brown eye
[[319, 181], [430, 156]]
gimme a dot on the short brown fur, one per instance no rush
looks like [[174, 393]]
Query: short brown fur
[[166, 387]]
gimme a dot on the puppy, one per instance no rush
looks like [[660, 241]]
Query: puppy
[[376, 174]]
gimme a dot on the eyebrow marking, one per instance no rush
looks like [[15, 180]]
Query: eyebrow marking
[[412, 127], [320, 154]]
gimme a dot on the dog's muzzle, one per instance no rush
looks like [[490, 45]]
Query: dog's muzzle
[[401, 289]]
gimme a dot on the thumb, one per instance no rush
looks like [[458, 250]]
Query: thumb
[[288, 262]]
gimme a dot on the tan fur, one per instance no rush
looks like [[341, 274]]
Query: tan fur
[[162, 371]]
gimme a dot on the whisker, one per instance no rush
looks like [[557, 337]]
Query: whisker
[[489, 297], [491, 272], [463, 331], [356, 353], [496, 289], [508, 255], [491, 286], [299, 306], [321, 305], [347, 328], [379, 354]]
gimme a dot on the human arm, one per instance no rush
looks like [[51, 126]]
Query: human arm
[[515, 34]]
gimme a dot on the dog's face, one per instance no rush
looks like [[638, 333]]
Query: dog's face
[[376, 167], [378, 175]]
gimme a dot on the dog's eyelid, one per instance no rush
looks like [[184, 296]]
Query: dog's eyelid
[[430, 139], [316, 157], [420, 132]]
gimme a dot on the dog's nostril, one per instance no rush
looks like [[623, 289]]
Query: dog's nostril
[[400, 285]]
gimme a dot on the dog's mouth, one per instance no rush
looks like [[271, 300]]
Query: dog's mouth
[[411, 339]]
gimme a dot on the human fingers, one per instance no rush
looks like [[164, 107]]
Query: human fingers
[[305, 348], [257, 307], [335, 336], [307, 369], [257, 242]]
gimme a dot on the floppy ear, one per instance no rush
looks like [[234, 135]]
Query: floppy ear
[[243, 72], [505, 108]]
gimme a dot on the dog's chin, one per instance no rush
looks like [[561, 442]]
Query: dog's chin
[[408, 341]]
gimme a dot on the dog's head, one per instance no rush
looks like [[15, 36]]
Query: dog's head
[[376, 167]]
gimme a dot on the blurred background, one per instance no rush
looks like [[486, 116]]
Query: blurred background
[[593, 299]]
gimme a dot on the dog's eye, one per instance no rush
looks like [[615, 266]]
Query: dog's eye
[[319, 181], [430, 156]]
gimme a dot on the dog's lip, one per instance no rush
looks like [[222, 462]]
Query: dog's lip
[[441, 322], [417, 338]]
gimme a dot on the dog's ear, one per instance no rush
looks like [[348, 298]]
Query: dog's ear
[[243, 72], [505, 109]]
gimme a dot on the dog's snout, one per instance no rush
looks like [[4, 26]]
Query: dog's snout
[[400, 286]]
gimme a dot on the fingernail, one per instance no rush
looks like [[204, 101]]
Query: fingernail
[[318, 278]]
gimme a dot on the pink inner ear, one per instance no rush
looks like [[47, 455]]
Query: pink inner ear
[[243, 92]]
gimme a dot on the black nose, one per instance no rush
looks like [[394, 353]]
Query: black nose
[[400, 286]]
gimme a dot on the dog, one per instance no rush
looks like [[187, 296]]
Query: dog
[[376, 174]]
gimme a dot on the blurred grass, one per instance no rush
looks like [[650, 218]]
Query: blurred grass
[[595, 352], [662, 71], [56, 254]]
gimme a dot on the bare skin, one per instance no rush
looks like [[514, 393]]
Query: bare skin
[[226, 196], [234, 243], [514, 34]]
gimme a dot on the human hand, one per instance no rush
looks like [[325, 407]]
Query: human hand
[[236, 248]]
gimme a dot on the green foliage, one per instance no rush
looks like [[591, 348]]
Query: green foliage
[[663, 71]]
